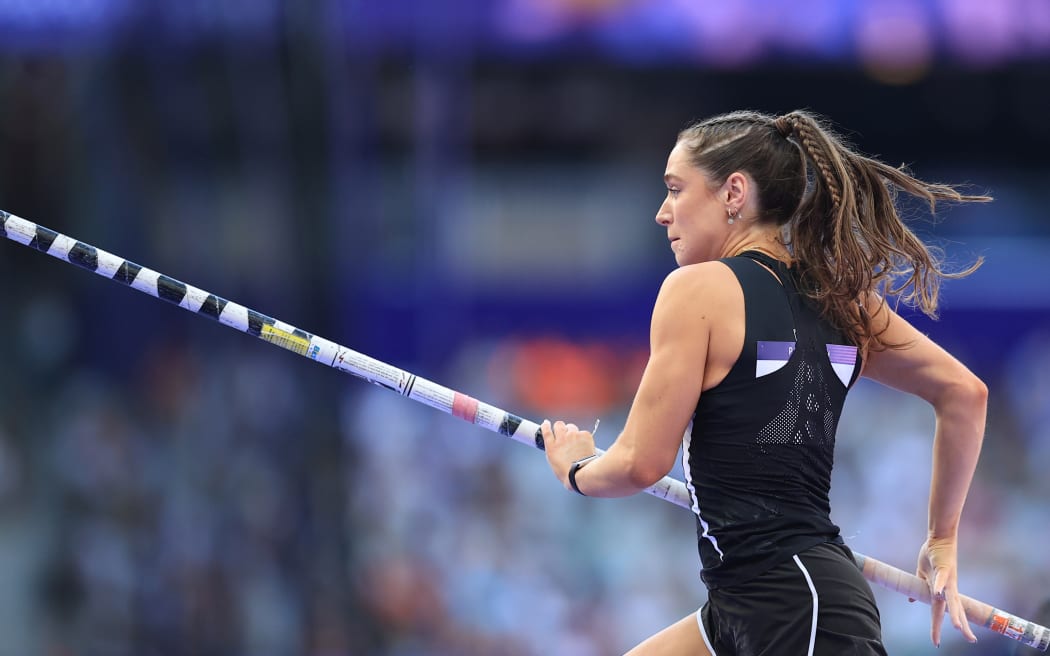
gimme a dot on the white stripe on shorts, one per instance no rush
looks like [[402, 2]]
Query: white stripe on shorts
[[703, 633], [813, 592]]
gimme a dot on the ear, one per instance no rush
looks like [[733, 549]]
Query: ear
[[735, 189]]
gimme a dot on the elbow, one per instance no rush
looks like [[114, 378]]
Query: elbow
[[965, 391], [643, 474], [979, 391], [639, 463], [972, 391], [965, 405]]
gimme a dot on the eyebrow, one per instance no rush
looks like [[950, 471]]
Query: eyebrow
[[671, 176]]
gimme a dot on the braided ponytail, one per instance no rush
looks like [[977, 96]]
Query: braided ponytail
[[849, 239]]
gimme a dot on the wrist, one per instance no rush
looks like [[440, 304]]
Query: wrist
[[574, 469], [942, 534]]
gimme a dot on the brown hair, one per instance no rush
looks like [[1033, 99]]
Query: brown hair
[[841, 219]]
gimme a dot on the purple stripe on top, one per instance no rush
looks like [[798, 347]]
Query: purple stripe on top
[[840, 354], [775, 350]]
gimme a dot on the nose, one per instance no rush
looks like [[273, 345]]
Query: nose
[[663, 215]]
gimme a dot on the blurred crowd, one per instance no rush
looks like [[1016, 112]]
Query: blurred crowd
[[221, 497]]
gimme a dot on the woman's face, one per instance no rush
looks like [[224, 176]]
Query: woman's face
[[693, 212]]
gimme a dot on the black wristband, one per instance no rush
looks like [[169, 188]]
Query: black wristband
[[577, 466]]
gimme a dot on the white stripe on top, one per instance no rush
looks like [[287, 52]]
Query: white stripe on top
[[686, 441]]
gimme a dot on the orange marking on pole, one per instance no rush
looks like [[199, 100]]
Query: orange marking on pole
[[465, 407]]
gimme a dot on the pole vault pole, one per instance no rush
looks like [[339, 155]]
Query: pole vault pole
[[427, 392]]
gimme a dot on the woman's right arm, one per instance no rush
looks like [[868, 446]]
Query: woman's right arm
[[960, 401]]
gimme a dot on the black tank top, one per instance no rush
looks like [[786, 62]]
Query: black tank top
[[759, 454]]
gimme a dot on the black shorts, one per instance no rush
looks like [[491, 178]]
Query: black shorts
[[814, 604]]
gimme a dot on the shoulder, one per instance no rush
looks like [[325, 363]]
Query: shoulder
[[696, 296], [707, 281], [709, 276]]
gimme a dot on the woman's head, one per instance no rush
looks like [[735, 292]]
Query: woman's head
[[836, 208], [699, 212], [752, 144]]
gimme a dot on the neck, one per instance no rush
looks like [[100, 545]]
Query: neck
[[764, 240]]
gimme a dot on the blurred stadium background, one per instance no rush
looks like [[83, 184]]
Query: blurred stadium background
[[464, 189]]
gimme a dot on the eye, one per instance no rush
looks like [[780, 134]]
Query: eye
[[674, 192]]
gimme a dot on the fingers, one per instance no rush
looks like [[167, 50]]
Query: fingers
[[938, 570], [946, 592], [938, 603], [949, 600], [945, 597], [548, 430], [936, 619], [556, 430], [958, 615], [563, 444], [559, 437], [550, 449], [937, 583]]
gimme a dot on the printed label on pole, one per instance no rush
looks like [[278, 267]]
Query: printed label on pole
[[368, 368], [432, 394], [284, 339], [489, 417]]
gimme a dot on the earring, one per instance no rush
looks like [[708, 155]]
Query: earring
[[732, 219]]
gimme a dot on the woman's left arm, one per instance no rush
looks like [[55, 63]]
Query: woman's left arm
[[664, 404]]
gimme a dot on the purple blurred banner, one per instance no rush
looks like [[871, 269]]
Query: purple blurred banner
[[872, 33]]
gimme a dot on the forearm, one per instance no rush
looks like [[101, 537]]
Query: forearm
[[615, 474], [957, 445]]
